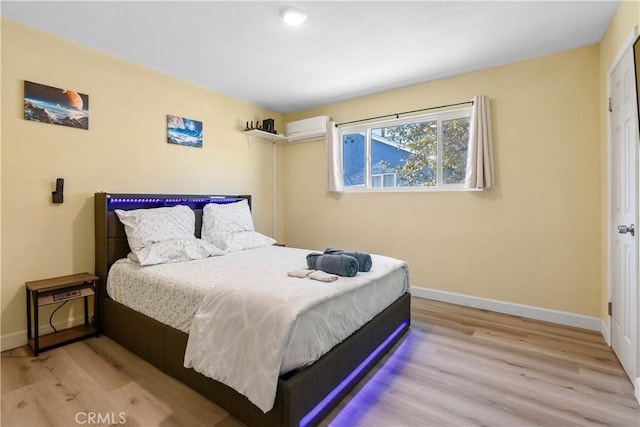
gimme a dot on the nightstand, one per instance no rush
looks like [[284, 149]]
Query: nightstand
[[56, 290]]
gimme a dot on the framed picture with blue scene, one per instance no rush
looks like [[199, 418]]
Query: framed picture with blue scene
[[183, 131]]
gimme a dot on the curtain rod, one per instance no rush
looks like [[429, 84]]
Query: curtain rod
[[396, 115]]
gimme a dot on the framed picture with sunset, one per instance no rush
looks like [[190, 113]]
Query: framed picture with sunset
[[47, 104]]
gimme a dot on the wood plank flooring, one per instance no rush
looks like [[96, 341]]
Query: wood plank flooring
[[457, 366]]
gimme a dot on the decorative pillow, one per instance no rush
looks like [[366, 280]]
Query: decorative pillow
[[221, 220], [174, 250], [246, 240], [148, 226]]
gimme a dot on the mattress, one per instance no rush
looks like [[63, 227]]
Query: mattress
[[172, 293]]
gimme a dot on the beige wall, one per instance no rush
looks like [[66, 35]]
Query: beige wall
[[124, 150], [534, 239]]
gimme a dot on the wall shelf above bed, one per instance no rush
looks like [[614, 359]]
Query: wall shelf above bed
[[273, 137]]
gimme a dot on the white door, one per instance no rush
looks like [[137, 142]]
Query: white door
[[624, 137]]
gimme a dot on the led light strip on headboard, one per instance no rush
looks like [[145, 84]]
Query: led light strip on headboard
[[195, 202]]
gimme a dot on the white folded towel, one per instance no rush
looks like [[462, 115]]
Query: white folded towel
[[322, 276], [300, 273]]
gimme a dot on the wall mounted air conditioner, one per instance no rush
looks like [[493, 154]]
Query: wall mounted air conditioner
[[307, 129]]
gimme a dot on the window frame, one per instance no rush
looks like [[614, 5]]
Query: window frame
[[366, 130]]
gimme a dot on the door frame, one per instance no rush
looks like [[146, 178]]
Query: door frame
[[606, 328]]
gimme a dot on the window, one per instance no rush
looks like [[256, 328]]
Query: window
[[383, 180], [423, 152]]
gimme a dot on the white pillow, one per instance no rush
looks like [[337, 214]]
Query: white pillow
[[221, 220], [148, 226], [247, 240], [174, 250]]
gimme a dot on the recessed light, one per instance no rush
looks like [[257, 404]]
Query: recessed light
[[292, 16]]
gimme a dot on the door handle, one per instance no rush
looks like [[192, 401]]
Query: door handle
[[624, 229]]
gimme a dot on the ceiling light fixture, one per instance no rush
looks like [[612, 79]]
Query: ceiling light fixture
[[292, 16]]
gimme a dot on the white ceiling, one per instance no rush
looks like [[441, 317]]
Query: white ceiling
[[345, 49]]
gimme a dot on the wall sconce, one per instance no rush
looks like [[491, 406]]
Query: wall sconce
[[57, 195]]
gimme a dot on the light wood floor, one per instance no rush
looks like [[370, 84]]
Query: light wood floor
[[456, 367]]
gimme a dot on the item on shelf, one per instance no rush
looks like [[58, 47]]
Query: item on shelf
[[267, 125]]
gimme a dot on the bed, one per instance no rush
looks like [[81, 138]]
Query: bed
[[303, 397]]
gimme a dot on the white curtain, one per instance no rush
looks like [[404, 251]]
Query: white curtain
[[480, 151], [334, 181]]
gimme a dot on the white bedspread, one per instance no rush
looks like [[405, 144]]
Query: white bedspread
[[254, 322]]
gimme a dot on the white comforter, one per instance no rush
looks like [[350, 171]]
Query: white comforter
[[243, 326]]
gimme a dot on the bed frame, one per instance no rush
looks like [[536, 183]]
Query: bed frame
[[303, 397]]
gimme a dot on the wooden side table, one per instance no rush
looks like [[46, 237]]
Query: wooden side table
[[56, 290]]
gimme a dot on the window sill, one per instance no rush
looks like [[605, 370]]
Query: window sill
[[358, 189]]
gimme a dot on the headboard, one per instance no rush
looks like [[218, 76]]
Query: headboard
[[111, 240]]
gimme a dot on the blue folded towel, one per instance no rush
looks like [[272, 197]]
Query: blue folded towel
[[364, 259], [342, 265]]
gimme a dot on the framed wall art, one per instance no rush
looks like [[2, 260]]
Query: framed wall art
[[47, 104], [183, 131]]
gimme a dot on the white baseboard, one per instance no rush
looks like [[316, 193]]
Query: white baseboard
[[18, 339], [637, 389], [14, 340], [530, 312], [606, 333]]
